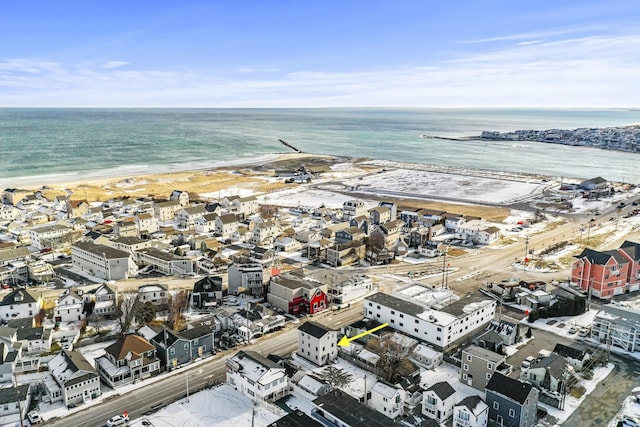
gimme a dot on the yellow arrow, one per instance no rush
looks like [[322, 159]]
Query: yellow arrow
[[345, 342]]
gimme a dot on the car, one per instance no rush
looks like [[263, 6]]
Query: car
[[526, 363], [583, 333], [572, 330], [117, 420], [628, 421], [635, 203], [34, 417]]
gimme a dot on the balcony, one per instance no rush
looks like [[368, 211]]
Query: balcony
[[459, 422]]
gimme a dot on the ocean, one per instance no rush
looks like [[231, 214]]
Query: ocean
[[42, 146]]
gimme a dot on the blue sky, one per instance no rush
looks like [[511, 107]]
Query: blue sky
[[320, 54]]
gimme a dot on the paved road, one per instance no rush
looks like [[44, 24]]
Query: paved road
[[159, 391]]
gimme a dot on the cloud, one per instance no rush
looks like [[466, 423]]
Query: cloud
[[114, 64], [589, 71]]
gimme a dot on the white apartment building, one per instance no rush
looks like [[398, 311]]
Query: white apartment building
[[69, 306], [157, 294], [317, 343], [165, 262], [387, 399], [619, 325], [48, 236], [350, 290], [256, 377], [440, 328], [20, 304], [75, 381], [246, 276], [103, 261], [353, 208]]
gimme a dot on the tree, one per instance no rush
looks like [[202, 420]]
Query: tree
[[529, 334], [127, 307], [145, 312], [391, 355], [97, 322], [177, 304], [335, 376]]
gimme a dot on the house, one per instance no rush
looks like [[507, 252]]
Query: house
[[34, 340], [286, 244], [225, 225], [246, 277], [165, 262], [426, 356], [349, 235], [256, 377], [317, 343], [77, 208], [146, 223], [439, 328], [297, 295], [129, 359], [511, 402], [9, 357], [166, 211], [264, 232], [487, 235], [508, 331], [353, 208], [130, 244], [73, 380], [351, 290], [262, 256], [314, 386], [549, 373], [296, 418], [470, 412], [69, 307], [339, 409], [103, 261], [15, 403], [20, 304], [207, 292], [631, 251], [576, 358], [453, 221], [387, 399], [479, 364], [619, 325], [245, 206], [53, 236], [178, 348], [179, 196], [438, 401], [380, 215], [156, 293], [104, 299], [13, 196], [125, 227], [596, 183], [603, 274], [186, 217], [346, 254]]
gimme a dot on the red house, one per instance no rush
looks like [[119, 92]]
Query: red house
[[605, 273], [297, 295], [631, 251]]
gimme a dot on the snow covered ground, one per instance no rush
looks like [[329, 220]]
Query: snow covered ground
[[630, 407]]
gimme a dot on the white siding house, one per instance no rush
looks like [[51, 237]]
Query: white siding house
[[256, 377], [316, 343]]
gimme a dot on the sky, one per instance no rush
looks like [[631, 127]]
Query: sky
[[424, 53]]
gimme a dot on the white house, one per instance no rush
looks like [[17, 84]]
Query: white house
[[105, 298], [353, 208], [165, 262], [387, 399], [48, 236], [69, 306], [438, 401], [14, 404], [206, 223], [488, 235], [351, 290], [470, 412], [103, 262], [75, 380], [146, 223], [439, 328], [20, 304], [186, 217], [426, 356], [317, 343], [179, 196], [256, 377], [157, 294]]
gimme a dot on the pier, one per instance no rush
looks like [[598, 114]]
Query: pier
[[290, 146]]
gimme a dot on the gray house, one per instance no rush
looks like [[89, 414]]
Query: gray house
[[479, 364], [178, 348], [511, 402]]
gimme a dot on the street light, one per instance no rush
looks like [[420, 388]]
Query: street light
[[199, 371]]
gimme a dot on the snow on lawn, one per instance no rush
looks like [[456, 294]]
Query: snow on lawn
[[561, 325], [630, 407], [221, 406], [306, 196], [449, 374]]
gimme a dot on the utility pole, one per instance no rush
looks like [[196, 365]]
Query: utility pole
[[444, 266], [526, 248]]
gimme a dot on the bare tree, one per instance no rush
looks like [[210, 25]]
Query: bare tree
[[127, 307], [97, 321], [177, 304], [145, 312], [391, 355], [335, 376]]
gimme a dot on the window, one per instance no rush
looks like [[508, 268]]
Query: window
[[488, 376], [465, 367], [469, 358], [512, 413], [464, 377], [496, 406], [489, 365]]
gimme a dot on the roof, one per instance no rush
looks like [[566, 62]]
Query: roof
[[314, 329], [554, 364], [20, 296], [632, 249], [214, 284], [130, 343], [570, 352], [296, 418], [601, 258], [106, 251], [489, 355], [509, 387], [350, 411], [9, 394], [442, 389], [474, 403]]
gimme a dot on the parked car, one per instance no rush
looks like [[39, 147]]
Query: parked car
[[583, 333], [572, 330], [34, 417], [117, 420], [526, 363], [628, 421]]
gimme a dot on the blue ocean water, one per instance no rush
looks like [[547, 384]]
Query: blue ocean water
[[45, 145]]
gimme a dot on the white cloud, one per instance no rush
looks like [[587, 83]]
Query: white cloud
[[594, 71], [114, 64]]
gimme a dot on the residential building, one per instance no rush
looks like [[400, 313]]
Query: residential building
[[438, 401], [34, 340], [73, 380], [426, 356], [351, 290], [129, 359], [604, 274], [130, 244], [226, 225], [69, 307], [50, 236], [575, 357], [165, 262], [207, 292], [13, 196], [339, 409], [246, 277], [157, 294], [297, 295], [479, 365], [618, 325], [387, 399], [146, 223], [296, 418], [439, 328], [470, 412], [166, 211], [186, 217], [103, 262], [349, 235], [178, 348], [181, 197], [77, 208], [257, 377], [631, 251], [313, 386], [349, 253], [317, 343], [380, 215], [353, 208], [511, 402], [14, 404], [549, 373], [104, 299], [20, 304]]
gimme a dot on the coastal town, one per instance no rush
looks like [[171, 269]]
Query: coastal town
[[343, 292], [622, 138]]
